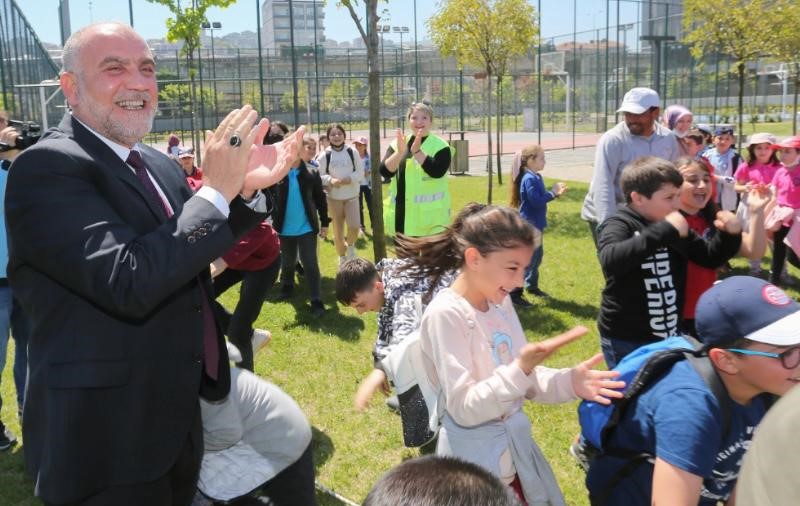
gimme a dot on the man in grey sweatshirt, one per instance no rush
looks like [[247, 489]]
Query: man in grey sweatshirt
[[638, 135]]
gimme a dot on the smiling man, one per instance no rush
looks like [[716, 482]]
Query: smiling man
[[640, 134], [109, 255]]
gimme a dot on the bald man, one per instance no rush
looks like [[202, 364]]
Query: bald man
[[109, 255]]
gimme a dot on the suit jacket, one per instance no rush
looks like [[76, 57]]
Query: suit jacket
[[112, 290]]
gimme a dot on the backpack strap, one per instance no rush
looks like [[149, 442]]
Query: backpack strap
[[352, 157], [328, 159]]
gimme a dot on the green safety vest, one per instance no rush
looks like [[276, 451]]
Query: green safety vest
[[427, 199]]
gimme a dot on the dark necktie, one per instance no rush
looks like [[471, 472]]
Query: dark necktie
[[209, 326]]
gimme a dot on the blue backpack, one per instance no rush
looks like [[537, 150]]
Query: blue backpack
[[639, 370]]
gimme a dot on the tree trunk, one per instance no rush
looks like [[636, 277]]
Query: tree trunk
[[499, 129], [489, 134], [373, 81], [740, 70]]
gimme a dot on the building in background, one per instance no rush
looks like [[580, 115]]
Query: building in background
[[276, 22]]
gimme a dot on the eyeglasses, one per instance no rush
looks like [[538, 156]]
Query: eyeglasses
[[789, 358]]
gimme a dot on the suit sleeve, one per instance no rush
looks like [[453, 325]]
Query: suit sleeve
[[66, 222]]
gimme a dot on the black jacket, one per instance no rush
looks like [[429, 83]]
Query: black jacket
[[314, 200], [644, 265]]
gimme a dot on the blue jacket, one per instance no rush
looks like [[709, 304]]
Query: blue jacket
[[533, 198]]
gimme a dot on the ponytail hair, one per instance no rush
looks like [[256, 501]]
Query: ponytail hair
[[486, 228], [532, 151]]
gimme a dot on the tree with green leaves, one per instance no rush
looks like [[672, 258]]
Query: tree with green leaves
[[369, 34], [788, 47], [744, 30], [486, 34], [186, 26]]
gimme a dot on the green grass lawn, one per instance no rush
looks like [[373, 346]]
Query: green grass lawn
[[320, 362]]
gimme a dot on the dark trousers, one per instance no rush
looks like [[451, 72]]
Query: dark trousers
[[780, 253], [176, 488], [253, 290], [365, 194], [306, 246]]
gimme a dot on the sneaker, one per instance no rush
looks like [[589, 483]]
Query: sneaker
[[393, 403], [285, 293], [351, 252], [342, 260], [260, 339], [755, 268], [317, 308], [7, 438], [578, 451], [537, 292], [518, 300]]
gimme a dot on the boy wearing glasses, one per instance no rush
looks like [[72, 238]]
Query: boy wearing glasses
[[750, 330]]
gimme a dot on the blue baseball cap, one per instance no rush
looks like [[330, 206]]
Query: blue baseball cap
[[747, 307], [722, 130]]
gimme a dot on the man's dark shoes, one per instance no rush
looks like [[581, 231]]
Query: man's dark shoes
[[537, 292], [519, 300], [7, 438], [317, 308]]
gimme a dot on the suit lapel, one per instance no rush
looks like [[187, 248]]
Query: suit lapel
[[108, 160], [164, 172]]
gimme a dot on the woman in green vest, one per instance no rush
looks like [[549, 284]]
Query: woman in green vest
[[418, 203]]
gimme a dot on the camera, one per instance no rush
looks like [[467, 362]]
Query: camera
[[29, 134]]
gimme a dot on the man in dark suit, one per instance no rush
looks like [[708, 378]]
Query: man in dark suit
[[109, 258]]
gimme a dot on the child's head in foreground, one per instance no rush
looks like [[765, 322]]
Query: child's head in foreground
[[651, 186], [359, 286], [439, 481]]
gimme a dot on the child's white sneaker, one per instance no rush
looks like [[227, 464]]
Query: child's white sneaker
[[260, 339], [342, 260], [351, 252]]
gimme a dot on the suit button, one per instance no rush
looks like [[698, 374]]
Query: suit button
[[191, 239], [207, 225]]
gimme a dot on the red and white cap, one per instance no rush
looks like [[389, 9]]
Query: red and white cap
[[789, 142]]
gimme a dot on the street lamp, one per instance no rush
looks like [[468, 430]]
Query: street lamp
[[216, 25]]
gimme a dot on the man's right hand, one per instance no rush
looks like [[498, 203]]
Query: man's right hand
[[224, 165]]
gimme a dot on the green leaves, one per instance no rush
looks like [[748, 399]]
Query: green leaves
[[186, 23]]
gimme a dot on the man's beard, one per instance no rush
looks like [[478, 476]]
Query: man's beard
[[124, 127]]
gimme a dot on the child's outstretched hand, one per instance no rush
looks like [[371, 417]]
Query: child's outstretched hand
[[401, 141], [533, 354], [728, 222], [375, 380], [677, 220], [593, 385]]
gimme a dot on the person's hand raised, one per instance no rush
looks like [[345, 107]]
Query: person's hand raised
[[269, 163], [227, 150], [596, 386], [415, 146], [727, 222], [533, 354], [676, 219], [401, 141]]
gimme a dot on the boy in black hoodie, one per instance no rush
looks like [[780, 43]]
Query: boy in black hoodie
[[644, 250]]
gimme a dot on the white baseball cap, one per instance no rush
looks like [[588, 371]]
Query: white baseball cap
[[638, 100]]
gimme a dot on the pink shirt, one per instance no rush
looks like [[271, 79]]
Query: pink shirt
[[755, 172], [787, 186]]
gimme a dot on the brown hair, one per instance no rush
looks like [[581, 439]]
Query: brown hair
[[486, 228], [646, 175], [528, 152]]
